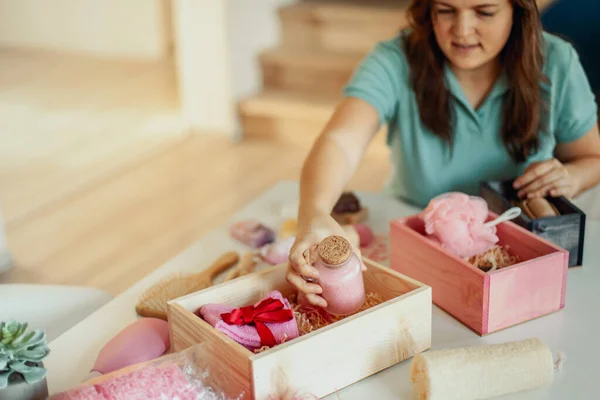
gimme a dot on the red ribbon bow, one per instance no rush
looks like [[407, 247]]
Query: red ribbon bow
[[268, 310]]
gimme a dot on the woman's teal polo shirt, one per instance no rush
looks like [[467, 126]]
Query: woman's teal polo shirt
[[423, 166]]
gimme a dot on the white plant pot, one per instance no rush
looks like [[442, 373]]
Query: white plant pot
[[18, 389]]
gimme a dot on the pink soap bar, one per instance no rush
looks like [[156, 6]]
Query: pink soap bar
[[252, 233], [456, 221]]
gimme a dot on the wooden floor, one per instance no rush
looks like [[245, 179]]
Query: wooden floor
[[98, 186]]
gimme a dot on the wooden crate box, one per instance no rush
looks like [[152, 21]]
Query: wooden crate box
[[322, 361], [484, 302], [566, 230]]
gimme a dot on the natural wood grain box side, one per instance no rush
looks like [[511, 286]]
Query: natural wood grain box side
[[360, 346], [325, 360]]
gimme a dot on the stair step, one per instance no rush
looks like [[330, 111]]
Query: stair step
[[307, 71], [344, 27], [287, 116]]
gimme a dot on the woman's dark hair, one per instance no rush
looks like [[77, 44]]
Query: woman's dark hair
[[522, 59]]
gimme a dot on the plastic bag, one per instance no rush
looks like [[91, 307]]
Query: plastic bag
[[187, 375]]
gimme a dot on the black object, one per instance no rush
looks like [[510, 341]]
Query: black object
[[566, 230], [347, 203]]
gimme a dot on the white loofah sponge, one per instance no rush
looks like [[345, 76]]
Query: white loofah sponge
[[482, 372]]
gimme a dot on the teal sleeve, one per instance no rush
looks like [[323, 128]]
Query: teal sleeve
[[376, 79], [577, 111]]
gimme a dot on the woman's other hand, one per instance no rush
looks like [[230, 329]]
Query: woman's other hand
[[547, 178]]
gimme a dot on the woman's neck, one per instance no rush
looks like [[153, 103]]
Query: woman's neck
[[477, 83]]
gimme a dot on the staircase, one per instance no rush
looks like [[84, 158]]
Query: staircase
[[322, 43]]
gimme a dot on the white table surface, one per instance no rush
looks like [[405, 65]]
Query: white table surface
[[573, 330]]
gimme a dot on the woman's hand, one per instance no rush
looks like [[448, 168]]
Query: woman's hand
[[550, 177], [331, 163], [301, 273]]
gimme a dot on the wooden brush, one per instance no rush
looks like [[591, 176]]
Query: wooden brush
[[247, 265], [153, 302]]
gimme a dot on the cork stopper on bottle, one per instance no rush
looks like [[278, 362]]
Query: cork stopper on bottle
[[334, 250]]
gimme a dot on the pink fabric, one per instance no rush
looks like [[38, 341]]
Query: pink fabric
[[143, 340], [455, 220], [247, 335]]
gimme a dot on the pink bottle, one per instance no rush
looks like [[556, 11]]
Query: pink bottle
[[340, 276]]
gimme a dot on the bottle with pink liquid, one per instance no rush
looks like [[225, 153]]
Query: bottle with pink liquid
[[340, 276]]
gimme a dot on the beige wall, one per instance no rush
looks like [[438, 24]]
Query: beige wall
[[217, 42], [203, 65], [252, 26], [107, 28], [217, 48], [5, 258]]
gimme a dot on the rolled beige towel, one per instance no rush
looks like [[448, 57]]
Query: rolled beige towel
[[482, 372]]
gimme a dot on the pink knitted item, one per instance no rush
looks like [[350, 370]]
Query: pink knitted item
[[247, 335]]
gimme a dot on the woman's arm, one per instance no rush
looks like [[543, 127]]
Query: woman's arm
[[575, 169], [335, 157], [329, 166], [582, 160]]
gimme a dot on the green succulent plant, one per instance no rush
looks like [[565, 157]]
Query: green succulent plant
[[20, 352]]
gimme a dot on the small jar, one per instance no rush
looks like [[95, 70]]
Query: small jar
[[340, 276]]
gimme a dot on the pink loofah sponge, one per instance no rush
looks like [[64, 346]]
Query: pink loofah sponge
[[456, 221]]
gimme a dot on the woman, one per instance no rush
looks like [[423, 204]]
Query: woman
[[473, 91]]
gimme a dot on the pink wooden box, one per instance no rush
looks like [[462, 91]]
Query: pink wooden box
[[485, 302]]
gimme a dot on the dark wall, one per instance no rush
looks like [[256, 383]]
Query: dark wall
[[579, 22]]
